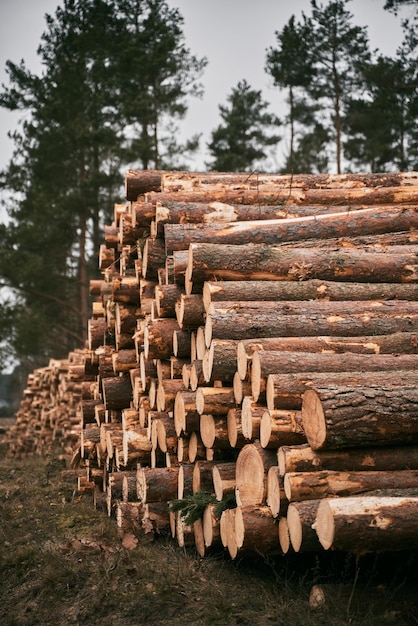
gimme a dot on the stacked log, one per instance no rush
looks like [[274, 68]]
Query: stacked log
[[252, 355]]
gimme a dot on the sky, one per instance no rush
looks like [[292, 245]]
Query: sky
[[232, 34]]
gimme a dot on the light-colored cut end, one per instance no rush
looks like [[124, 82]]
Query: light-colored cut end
[[324, 525], [313, 419]]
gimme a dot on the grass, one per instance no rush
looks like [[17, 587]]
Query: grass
[[62, 563]]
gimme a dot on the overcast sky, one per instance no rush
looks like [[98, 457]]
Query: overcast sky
[[232, 34]]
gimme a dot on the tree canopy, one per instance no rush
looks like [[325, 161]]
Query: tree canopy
[[113, 74], [246, 133]]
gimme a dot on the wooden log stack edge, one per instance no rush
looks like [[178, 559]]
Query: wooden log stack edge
[[252, 357]]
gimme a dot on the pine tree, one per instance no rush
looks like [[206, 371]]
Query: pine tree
[[70, 153], [240, 143]]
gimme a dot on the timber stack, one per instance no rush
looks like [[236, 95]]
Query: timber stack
[[252, 353]]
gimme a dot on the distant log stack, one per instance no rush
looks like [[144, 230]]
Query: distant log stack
[[253, 348]]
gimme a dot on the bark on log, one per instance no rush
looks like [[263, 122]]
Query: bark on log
[[140, 182], [214, 400], [236, 326], [190, 311], [158, 484], [126, 290], [369, 221], [214, 291], [302, 458], [208, 261], [280, 427], [255, 532], [153, 257], [220, 360], [300, 518], [368, 524], [365, 414], [166, 297], [316, 485], [286, 390], [268, 363], [395, 343], [142, 213], [214, 431], [158, 338], [166, 393], [117, 392], [223, 476], [173, 212]]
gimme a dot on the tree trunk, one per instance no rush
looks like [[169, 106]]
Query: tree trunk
[[327, 483], [220, 360], [300, 517], [208, 261], [173, 212], [362, 414], [158, 484], [369, 221], [267, 363], [302, 458], [224, 481], [238, 290], [281, 427], [236, 326], [255, 532], [364, 524], [286, 390]]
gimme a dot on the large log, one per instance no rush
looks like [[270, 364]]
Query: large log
[[369, 221], [238, 325], [395, 343], [281, 427], [220, 360], [158, 484], [286, 390], [302, 458], [138, 182], [212, 212], [214, 291], [255, 532], [316, 485], [266, 363], [158, 338], [365, 414], [289, 195], [207, 261], [362, 524], [300, 517]]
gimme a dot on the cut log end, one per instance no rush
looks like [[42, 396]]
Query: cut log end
[[324, 525], [313, 419]]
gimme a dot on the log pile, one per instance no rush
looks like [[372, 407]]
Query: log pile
[[252, 355]]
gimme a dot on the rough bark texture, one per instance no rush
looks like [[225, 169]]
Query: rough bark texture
[[360, 415]]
